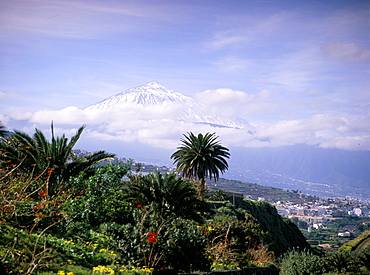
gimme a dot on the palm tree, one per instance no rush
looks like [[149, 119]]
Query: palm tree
[[168, 194], [200, 157], [53, 160], [340, 260]]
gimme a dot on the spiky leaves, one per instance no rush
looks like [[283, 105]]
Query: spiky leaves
[[38, 157], [200, 157], [168, 194], [3, 131]]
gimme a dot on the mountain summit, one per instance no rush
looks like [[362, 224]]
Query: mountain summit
[[154, 94], [150, 94]]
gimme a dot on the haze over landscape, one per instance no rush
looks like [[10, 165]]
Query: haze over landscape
[[291, 77]]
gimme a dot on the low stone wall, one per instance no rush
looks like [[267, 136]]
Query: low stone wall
[[244, 271]]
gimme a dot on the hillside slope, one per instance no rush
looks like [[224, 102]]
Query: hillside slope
[[359, 243], [283, 234]]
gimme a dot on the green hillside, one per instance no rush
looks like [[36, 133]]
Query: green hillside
[[283, 234], [254, 191], [359, 243]]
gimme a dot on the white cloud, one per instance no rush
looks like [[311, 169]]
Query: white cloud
[[4, 119], [234, 103], [242, 30], [347, 52], [8, 95], [70, 115], [320, 129], [223, 96], [18, 114], [155, 127], [348, 143], [225, 39], [75, 19]]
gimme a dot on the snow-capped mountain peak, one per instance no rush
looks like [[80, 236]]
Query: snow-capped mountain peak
[[154, 94]]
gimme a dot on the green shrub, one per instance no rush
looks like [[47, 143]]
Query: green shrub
[[363, 257], [342, 262], [158, 242], [302, 263]]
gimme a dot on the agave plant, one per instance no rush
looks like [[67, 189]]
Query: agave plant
[[54, 160]]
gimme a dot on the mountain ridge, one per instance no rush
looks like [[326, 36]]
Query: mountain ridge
[[154, 94]]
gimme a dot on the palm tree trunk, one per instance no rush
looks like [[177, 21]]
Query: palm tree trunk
[[201, 187]]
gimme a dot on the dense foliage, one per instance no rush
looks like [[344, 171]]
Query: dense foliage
[[52, 161], [283, 233], [108, 220], [306, 263]]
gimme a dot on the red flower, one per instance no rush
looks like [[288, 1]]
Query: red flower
[[43, 194], [152, 237], [138, 205], [36, 207], [152, 240]]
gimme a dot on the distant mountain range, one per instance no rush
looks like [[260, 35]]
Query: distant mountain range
[[155, 94], [310, 169]]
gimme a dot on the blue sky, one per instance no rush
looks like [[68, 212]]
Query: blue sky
[[298, 71]]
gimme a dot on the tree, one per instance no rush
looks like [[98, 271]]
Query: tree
[[219, 195], [200, 157], [98, 199], [168, 194], [37, 157]]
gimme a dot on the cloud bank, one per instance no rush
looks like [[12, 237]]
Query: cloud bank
[[157, 126]]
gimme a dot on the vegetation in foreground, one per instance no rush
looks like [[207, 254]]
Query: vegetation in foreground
[[64, 215]]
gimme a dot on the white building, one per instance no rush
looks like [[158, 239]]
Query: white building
[[344, 234], [357, 211]]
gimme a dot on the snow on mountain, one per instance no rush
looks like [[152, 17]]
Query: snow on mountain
[[154, 94]]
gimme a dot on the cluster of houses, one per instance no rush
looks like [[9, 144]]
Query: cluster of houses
[[321, 210], [317, 214]]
